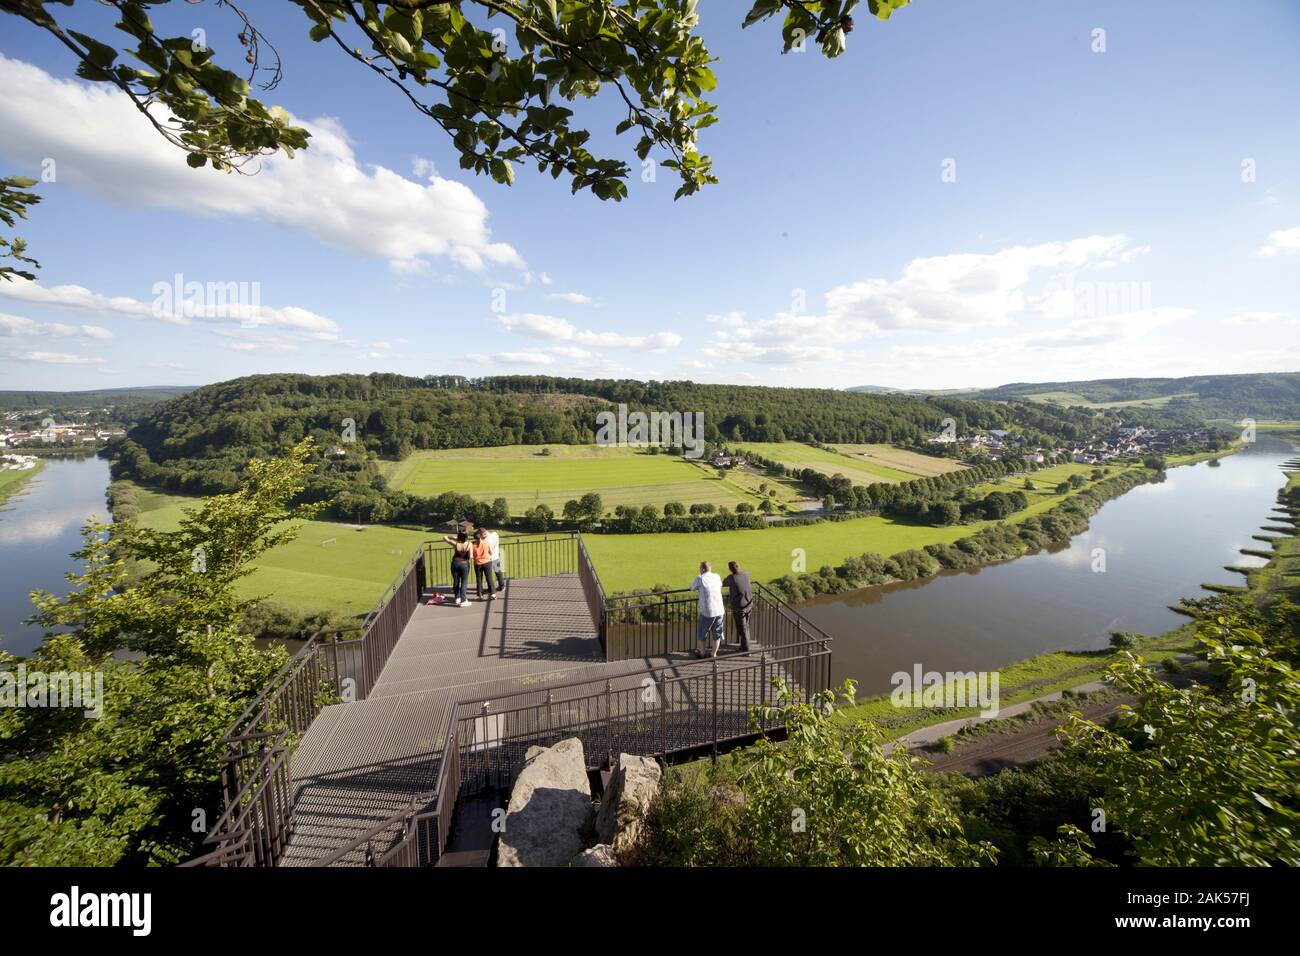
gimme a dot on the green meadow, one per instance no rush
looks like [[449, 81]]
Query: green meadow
[[525, 477], [328, 567], [899, 459], [333, 566], [631, 562], [858, 468]]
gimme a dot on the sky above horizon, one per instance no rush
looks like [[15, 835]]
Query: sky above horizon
[[969, 196]]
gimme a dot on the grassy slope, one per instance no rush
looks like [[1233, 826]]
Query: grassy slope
[[347, 575], [525, 478], [12, 481]]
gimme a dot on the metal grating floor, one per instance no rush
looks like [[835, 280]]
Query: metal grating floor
[[359, 763]]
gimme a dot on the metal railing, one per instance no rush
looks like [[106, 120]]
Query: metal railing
[[257, 812], [664, 710], [659, 623], [522, 556]]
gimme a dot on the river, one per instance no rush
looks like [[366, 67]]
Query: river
[[1160, 543], [39, 529]]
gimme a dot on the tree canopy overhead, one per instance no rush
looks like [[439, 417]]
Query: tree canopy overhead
[[502, 101]]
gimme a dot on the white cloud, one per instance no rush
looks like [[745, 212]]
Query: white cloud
[[551, 327], [1258, 318], [524, 358], [168, 307], [960, 291], [655, 342], [1280, 241], [956, 294], [52, 358], [577, 298], [539, 326], [12, 326], [102, 144]]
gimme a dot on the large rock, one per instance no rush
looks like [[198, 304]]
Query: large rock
[[550, 808], [632, 789], [601, 855]]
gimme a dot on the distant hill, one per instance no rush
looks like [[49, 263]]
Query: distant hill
[[19, 401], [201, 441], [1263, 395]]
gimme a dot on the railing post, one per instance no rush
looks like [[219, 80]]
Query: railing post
[[762, 689], [609, 722], [715, 710], [667, 631]]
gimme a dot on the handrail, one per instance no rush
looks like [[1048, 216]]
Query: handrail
[[746, 656], [413, 807], [392, 589], [259, 798], [783, 605]]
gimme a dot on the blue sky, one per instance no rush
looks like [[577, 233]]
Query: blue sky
[[1099, 223]]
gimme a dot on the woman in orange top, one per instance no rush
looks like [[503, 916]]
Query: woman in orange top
[[482, 564]]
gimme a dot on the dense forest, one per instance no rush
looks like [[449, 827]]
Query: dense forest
[[122, 398], [201, 441]]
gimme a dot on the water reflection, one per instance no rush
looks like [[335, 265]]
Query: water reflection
[[39, 530], [1161, 541]]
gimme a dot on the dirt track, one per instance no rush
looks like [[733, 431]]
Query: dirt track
[[996, 751]]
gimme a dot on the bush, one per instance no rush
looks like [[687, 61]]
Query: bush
[[1124, 640]]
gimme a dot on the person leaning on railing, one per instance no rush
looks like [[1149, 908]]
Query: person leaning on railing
[[460, 558], [494, 543], [708, 629], [741, 593]]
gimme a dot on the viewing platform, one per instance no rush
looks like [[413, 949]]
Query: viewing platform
[[359, 751]]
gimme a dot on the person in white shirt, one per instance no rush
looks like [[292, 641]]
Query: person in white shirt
[[494, 543], [708, 629]]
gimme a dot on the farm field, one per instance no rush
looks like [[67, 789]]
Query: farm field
[[1071, 398], [328, 567], [632, 562], [914, 463], [859, 470], [332, 566], [525, 477]]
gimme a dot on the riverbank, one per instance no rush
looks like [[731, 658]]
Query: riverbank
[[1045, 674], [642, 561], [12, 480], [1024, 681]]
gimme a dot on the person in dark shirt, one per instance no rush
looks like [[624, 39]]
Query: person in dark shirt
[[741, 594]]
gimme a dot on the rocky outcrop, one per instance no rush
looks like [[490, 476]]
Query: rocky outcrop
[[550, 809], [600, 855], [623, 809]]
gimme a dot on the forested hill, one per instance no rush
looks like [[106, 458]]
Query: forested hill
[[1258, 396], [22, 401], [201, 441]]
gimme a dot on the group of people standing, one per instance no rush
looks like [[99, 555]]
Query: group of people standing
[[482, 551], [709, 631]]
